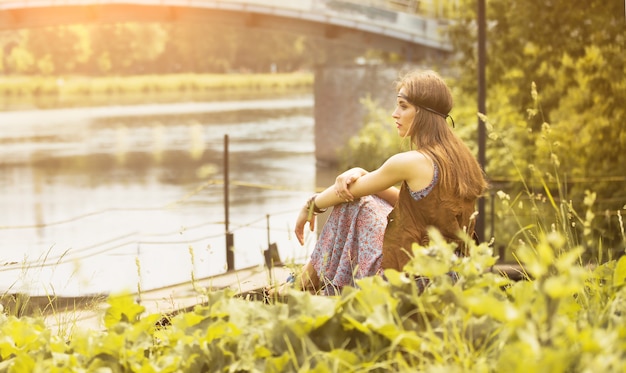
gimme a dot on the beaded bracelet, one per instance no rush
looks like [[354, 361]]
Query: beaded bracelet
[[310, 206]]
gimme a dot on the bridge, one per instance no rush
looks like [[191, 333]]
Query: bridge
[[415, 29], [394, 26]]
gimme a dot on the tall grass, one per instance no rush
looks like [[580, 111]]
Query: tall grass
[[538, 211]]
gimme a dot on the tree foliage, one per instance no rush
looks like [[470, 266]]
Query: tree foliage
[[377, 140], [556, 82], [161, 48]]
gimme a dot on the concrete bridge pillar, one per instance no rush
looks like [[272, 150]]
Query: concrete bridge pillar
[[338, 111]]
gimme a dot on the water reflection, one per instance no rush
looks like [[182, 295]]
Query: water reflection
[[87, 194]]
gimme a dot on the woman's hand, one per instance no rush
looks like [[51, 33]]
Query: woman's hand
[[343, 182], [304, 217]]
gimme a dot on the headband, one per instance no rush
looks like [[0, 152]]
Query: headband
[[444, 116]]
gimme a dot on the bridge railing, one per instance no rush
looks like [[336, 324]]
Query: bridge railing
[[419, 22], [422, 24], [440, 9]]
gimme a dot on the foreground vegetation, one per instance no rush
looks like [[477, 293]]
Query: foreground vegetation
[[565, 318]]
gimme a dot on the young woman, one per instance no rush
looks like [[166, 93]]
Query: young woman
[[373, 223]]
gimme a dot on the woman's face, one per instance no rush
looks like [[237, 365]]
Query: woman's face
[[404, 114]]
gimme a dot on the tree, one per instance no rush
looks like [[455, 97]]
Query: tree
[[58, 50], [573, 55], [126, 48], [185, 51]]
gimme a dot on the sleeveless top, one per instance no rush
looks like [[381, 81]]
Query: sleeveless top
[[411, 218], [419, 194]]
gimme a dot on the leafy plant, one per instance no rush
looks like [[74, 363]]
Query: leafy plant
[[564, 317]]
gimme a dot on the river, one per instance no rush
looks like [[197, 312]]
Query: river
[[105, 199]]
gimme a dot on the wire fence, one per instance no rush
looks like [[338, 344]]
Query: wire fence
[[204, 240], [138, 238]]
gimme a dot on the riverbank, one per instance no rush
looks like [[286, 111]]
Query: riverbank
[[42, 92]]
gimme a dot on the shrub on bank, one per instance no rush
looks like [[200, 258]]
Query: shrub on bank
[[29, 86]]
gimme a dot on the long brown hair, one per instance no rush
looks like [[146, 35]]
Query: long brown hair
[[430, 132]]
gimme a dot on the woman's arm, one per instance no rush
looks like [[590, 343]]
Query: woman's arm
[[379, 181], [390, 195], [345, 180]]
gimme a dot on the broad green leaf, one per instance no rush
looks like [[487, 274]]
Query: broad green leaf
[[348, 358], [619, 275], [22, 332], [22, 363], [562, 286], [484, 304], [122, 309], [188, 320], [529, 257], [350, 323], [396, 278], [568, 259], [262, 352], [7, 346], [220, 329], [381, 321], [278, 364]]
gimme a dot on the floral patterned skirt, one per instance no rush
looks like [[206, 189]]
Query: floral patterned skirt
[[350, 245]]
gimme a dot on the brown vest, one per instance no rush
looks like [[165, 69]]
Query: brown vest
[[409, 221]]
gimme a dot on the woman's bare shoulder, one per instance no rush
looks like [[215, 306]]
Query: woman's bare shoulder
[[412, 157], [416, 167]]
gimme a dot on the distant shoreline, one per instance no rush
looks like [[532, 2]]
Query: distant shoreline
[[36, 92]]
